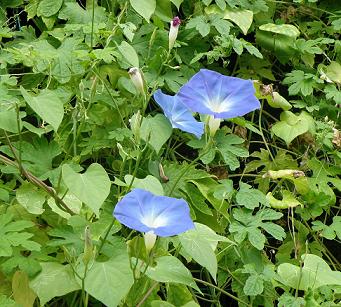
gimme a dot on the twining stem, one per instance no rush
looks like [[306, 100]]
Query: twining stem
[[38, 183], [149, 292]]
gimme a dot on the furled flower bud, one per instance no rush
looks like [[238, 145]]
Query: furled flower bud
[[149, 240], [213, 124], [135, 124], [137, 79], [88, 246], [173, 31]]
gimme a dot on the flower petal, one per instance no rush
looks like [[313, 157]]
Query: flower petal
[[209, 92], [178, 114], [144, 211]]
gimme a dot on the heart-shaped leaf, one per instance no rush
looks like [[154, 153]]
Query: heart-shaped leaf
[[92, 187]]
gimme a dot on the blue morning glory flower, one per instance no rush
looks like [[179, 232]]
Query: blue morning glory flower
[[160, 215], [178, 114], [209, 92]]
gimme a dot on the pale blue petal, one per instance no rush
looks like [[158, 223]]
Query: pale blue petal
[[209, 92], [144, 211], [178, 114]]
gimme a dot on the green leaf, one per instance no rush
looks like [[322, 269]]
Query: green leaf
[[129, 54], [171, 269], [11, 235], [256, 238], [70, 200], [200, 244], [250, 198], [199, 23], [31, 198], [274, 230], [156, 131], [288, 30], [288, 200], [288, 300], [278, 101], [150, 183], [92, 187], [8, 120], [110, 281], [314, 274], [254, 285], [333, 72], [301, 82], [226, 146], [242, 18], [332, 92], [54, 280], [291, 126], [177, 3], [7, 302], [48, 8], [22, 292], [47, 105], [145, 8]]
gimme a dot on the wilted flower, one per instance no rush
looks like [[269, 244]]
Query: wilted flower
[[154, 215], [209, 92], [178, 114], [173, 31], [137, 79]]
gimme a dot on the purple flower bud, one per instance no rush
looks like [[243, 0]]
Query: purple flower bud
[[173, 31]]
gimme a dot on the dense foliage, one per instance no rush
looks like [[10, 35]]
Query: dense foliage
[[81, 133]]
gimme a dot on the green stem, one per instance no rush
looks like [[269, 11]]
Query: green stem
[[188, 166], [222, 291], [92, 23], [262, 134], [38, 183]]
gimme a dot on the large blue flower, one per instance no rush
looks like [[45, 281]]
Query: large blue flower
[[209, 92], [161, 215], [178, 114]]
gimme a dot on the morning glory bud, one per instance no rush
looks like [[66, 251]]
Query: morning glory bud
[[173, 31], [213, 124], [149, 240], [135, 124], [88, 246], [137, 79]]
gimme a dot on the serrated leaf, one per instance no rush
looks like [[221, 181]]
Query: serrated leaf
[[256, 238], [254, 285], [241, 17], [250, 198]]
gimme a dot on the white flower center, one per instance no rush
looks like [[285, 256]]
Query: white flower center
[[154, 222], [218, 106]]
